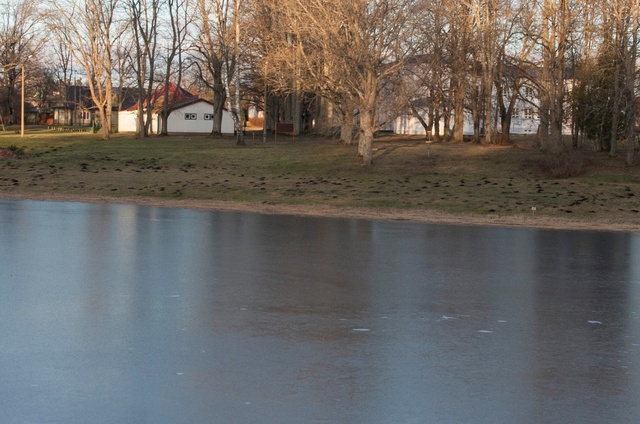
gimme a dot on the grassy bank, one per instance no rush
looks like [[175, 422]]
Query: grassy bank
[[408, 175]]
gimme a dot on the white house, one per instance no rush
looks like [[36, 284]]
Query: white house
[[408, 124], [524, 120], [193, 116]]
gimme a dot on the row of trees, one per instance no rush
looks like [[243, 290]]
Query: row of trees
[[370, 60]]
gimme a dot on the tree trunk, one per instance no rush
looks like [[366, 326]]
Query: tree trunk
[[366, 137], [458, 109], [218, 109], [476, 107], [346, 127], [426, 125], [238, 111], [105, 119], [141, 126], [615, 108], [488, 112], [630, 86]]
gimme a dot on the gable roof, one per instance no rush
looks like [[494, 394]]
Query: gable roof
[[177, 96], [73, 96], [189, 102]]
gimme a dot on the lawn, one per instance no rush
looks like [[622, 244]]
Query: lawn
[[409, 176]]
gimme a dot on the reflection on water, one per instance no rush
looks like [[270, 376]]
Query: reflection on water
[[122, 313]]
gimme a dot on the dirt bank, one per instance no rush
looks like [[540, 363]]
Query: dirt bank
[[426, 216]]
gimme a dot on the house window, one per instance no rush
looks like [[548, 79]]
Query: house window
[[528, 113], [190, 116], [208, 116], [528, 92], [515, 113]]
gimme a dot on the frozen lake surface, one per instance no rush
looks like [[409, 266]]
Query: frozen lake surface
[[127, 314]]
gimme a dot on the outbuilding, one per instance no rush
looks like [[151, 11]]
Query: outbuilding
[[196, 116], [190, 114]]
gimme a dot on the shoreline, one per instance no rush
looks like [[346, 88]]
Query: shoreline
[[420, 216]]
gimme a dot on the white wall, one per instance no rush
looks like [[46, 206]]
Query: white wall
[[409, 125], [178, 124], [128, 121]]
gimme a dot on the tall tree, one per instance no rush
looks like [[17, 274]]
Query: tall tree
[[125, 78], [221, 45], [144, 16], [354, 48], [493, 23], [88, 28], [231, 68], [556, 23], [19, 44], [603, 94], [513, 67], [624, 38], [210, 49], [179, 19], [458, 47], [631, 71]]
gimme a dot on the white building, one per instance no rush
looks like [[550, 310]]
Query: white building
[[194, 116], [524, 118]]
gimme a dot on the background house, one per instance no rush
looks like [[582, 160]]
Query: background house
[[72, 105], [524, 119]]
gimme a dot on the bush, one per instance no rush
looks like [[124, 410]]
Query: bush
[[18, 151], [563, 164]]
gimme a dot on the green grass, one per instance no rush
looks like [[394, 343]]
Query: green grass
[[407, 174]]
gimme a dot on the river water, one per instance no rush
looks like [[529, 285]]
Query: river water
[[128, 314]]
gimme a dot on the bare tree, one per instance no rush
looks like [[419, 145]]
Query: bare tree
[[220, 44], [212, 36], [352, 49], [125, 75], [492, 23], [88, 28], [427, 85], [555, 26], [631, 70], [513, 67], [179, 20], [144, 27], [43, 83], [20, 42], [622, 37], [64, 64], [231, 68]]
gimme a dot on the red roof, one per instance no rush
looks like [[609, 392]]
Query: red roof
[[177, 96]]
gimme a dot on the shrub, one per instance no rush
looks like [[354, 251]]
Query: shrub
[[18, 151], [566, 163]]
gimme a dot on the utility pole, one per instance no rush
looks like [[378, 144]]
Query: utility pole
[[22, 106]]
